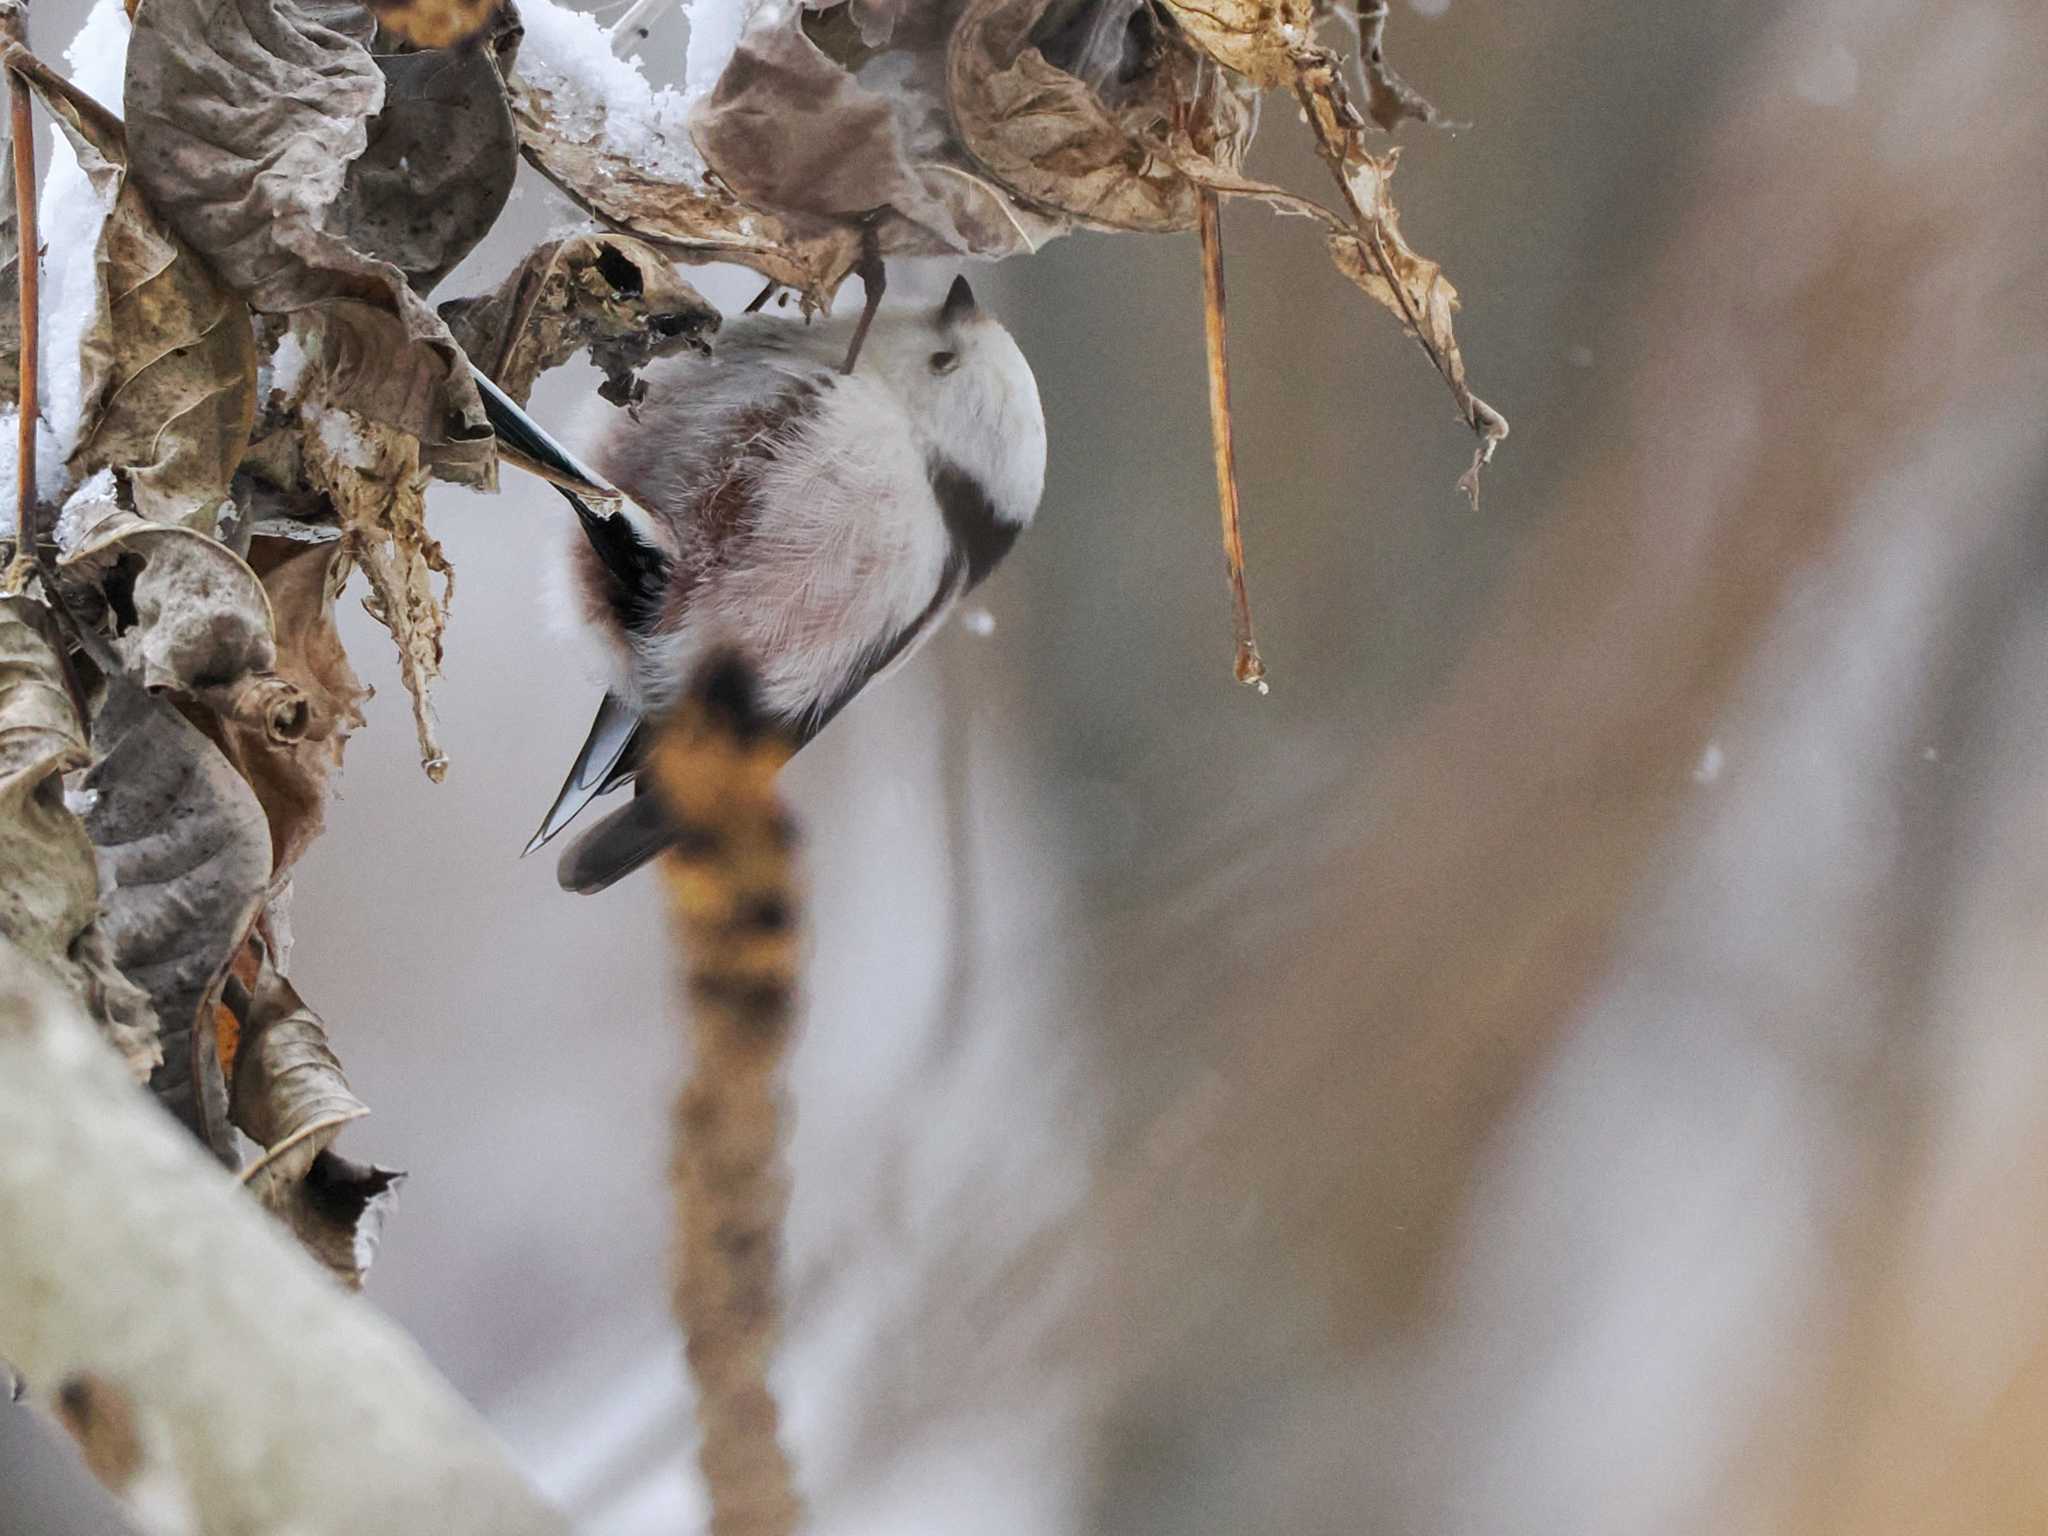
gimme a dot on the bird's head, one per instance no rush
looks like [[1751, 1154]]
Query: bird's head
[[970, 396]]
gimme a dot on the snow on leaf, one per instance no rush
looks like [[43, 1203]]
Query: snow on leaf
[[248, 117], [593, 126], [373, 477], [614, 295], [293, 775], [185, 852], [166, 363], [49, 888]]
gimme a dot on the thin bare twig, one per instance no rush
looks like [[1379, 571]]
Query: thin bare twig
[[732, 898], [1249, 668], [21, 125]]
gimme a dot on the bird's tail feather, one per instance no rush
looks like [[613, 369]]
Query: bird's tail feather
[[610, 755], [615, 847]]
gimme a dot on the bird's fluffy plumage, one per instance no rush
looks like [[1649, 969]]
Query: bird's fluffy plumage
[[818, 524]]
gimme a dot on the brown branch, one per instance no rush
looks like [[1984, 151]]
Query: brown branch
[[1249, 668], [731, 884], [21, 126]]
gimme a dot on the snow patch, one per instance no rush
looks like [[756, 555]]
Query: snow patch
[[49, 466], [287, 368], [341, 432], [92, 495], [69, 217], [608, 101]]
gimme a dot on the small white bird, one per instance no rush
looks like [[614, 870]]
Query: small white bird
[[818, 523]]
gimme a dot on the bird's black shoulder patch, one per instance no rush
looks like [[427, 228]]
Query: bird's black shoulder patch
[[635, 573], [981, 537]]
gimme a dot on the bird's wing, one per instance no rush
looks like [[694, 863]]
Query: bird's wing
[[615, 847], [610, 756], [635, 570]]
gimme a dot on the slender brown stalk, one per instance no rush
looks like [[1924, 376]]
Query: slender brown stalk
[[732, 899], [1250, 669], [21, 126]]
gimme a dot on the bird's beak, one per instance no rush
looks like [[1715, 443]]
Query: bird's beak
[[959, 303]]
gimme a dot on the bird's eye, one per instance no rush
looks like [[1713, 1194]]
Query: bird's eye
[[945, 362]]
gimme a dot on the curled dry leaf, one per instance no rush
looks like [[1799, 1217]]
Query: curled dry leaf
[[337, 1212], [1388, 97], [860, 136], [435, 23], [373, 477], [293, 776], [1256, 38], [185, 850], [614, 295], [1372, 253], [191, 616], [167, 361], [289, 1096], [632, 165], [49, 885], [248, 117], [1053, 140]]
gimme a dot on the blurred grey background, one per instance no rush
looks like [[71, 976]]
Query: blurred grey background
[[1567, 1061]]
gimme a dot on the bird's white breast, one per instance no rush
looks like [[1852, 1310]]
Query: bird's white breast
[[845, 548]]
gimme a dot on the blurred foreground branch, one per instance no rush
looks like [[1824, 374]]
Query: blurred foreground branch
[[219, 1380], [730, 879]]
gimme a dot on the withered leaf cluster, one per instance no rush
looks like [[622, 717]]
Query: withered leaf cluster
[[267, 392]]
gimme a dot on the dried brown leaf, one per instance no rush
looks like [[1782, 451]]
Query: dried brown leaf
[[655, 190], [198, 622], [290, 1097], [1256, 38], [1388, 98], [247, 118], [790, 128], [1049, 139], [435, 23], [337, 1212], [373, 477], [168, 364], [49, 885], [1373, 254], [614, 295], [293, 777], [184, 847], [440, 161]]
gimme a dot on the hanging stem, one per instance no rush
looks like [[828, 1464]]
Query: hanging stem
[[29, 267], [1250, 669]]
